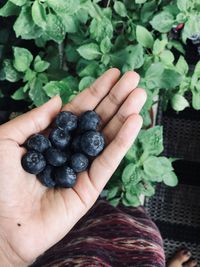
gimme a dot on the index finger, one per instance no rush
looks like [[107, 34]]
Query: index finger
[[92, 96]]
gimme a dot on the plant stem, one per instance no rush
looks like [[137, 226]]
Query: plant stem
[[61, 54], [108, 3]]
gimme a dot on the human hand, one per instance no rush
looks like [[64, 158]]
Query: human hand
[[32, 217]]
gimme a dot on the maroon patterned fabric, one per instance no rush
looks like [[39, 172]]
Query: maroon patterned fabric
[[109, 236]]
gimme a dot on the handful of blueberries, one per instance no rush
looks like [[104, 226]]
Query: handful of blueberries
[[69, 150]]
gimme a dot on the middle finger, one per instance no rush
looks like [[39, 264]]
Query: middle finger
[[112, 102]]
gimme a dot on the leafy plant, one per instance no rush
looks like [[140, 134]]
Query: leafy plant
[[50, 47], [141, 169]]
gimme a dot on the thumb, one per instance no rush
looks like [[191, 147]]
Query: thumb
[[34, 121]]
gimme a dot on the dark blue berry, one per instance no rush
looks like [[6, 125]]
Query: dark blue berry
[[59, 138], [46, 177], [92, 143], [79, 162], [66, 120], [65, 177], [38, 142], [76, 144], [89, 120], [33, 162], [55, 157]]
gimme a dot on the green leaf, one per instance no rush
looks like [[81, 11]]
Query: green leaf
[[152, 140], [155, 168], [184, 5], [144, 37], [10, 73], [82, 15], [39, 14], [24, 25], [163, 22], [105, 59], [196, 97], [54, 88], [19, 94], [69, 22], [147, 10], [170, 79], [135, 57], [18, 2], [105, 45], [159, 46], [29, 75], [89, 51], [167, 58], [120, 8], [85, 82], [9, 9], [40, 65], [153, 75], [131, 155], [181, 18], [146, 188], [113, 192], [179, 102], [71, 53], [191, 27], [115, 201], [88, 70], [101, 28], [178, 46], [131, 174], [197, 70], [54, 28], [43, 77], [140, 1], [131, 200], [182, 66], [63, 6], [22, 59], [36, 93], [166, 164], [170, 179]]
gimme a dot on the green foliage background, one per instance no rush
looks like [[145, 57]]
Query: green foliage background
[[77, 40]]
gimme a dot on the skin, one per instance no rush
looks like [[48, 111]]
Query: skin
[[182, 258], [34, 218]]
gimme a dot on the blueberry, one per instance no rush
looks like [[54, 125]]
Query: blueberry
[[59, 138], [92, 143], [66, 120], [89, 120], [79, 162], [46, 177], [76, 144], [65, 177], [38, 142], [55, 157], [33, 162]]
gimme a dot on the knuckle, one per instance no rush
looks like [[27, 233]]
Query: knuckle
[[121, 117], [94, 90], [113, 99]]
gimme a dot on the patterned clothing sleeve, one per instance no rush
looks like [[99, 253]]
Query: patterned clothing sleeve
[[108, 237]]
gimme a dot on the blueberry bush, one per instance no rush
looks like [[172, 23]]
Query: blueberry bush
[[50, 47]]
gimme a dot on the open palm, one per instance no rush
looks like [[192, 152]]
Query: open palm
[[32, 217]]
